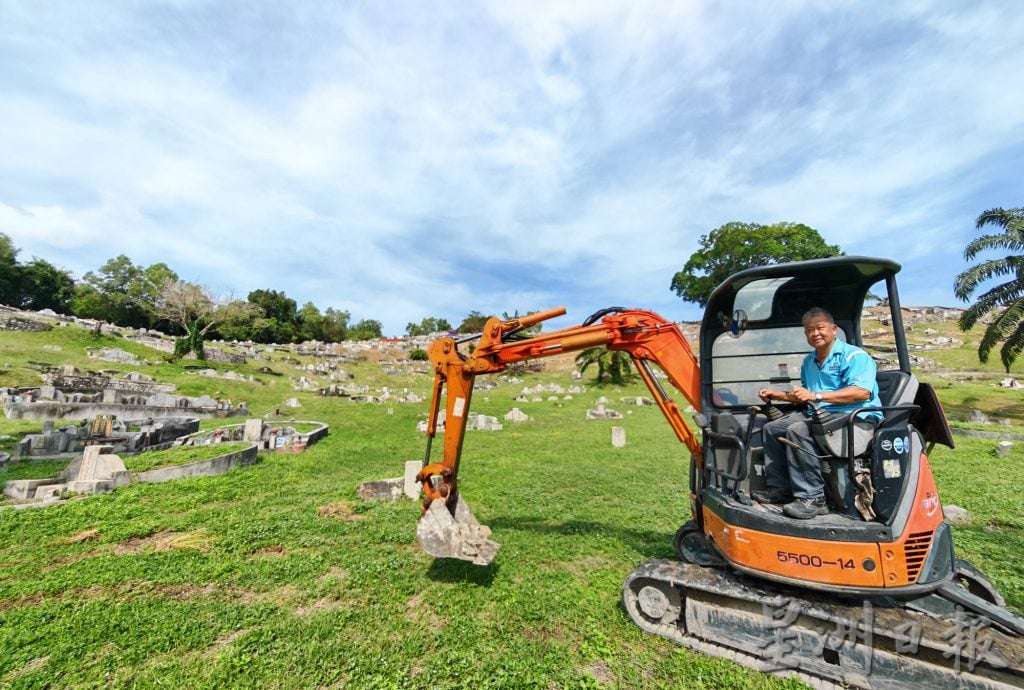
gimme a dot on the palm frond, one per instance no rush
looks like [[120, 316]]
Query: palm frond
[[1009, 242], [1004, 324], [999, 216], [968, 281], [1012, 348]]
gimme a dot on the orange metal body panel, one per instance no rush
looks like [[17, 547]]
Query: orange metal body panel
[[896, 564], [828, 562]]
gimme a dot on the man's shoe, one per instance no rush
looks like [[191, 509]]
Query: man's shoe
[[773, 496], [806, 508]]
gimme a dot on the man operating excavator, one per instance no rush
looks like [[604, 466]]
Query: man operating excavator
[[836, 376]]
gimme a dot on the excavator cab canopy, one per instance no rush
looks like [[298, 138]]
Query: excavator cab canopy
[[752, 336]]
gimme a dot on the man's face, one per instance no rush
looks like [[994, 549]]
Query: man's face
[[820, 332]]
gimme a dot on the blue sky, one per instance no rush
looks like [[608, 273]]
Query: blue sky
[[410, 159]]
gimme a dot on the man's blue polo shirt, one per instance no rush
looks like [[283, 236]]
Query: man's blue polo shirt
[[845, 365]]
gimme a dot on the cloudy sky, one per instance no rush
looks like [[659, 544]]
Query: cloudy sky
[[419, 158]]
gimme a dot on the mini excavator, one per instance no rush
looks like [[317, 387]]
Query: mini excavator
[[870, 595]]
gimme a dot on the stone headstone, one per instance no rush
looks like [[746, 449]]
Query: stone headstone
[[516, 415], [955, 515], [412, 487], [253, 430], [1003, 448], [978, 417], [618, 437], [292, 402]]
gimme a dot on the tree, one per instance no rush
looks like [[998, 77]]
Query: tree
[[1007, 298], [736, 246], [335, 325], [473, 323], [275, 305], [9, 271], [193, 310], [367, 329], [44, 286], [311, 323], [427, 326], [615, 364], [280, 317], [121, 292]]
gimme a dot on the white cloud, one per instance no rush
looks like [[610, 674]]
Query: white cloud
[[396, 162]]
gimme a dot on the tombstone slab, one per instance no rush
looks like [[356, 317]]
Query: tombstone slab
[[253, 430], [411, 487], [618, 437]]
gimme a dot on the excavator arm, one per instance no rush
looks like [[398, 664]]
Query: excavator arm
[[447, 528]]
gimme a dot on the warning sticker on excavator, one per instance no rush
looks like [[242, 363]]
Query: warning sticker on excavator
[[891, 469], [459, 408]]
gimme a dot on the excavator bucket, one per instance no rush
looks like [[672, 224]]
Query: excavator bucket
[[444, 535]]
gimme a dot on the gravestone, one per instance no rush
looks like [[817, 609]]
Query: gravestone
[[516, 415], [253, 430], [618, 437], [412, 487]]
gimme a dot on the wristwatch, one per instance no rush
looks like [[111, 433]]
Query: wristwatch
[[817, 397]]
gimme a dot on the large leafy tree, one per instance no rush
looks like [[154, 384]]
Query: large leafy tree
[[121, 292], [280, 317], [367, 329], [44, 286], [736, 246], [335, 325], [1005, 299], [192, 310], [473, 323], [9, 271], [427, 325]]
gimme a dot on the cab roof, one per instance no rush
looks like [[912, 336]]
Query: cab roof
[[838, 284]]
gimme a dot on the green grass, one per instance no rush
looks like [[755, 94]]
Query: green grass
[[240, 581], [182, 455]]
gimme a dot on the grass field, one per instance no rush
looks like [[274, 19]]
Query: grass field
[[276, 575]]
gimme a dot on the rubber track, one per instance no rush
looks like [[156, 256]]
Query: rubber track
[[727, 615]]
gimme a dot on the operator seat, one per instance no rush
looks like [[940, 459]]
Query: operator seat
[[895, 389]]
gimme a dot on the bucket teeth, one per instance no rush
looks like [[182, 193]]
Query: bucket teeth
[[443, 535]]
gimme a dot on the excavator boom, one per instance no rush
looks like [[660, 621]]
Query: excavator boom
[[447, 528]]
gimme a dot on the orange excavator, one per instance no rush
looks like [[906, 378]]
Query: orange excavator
[[870, 595]]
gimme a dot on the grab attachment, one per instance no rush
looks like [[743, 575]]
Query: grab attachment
[[444, 535]]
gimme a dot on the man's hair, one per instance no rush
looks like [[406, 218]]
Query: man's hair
[[816, 312]]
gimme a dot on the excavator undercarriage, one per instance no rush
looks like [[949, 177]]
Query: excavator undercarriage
[[824, 640]]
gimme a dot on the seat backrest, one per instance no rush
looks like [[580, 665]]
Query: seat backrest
[[896, 388]]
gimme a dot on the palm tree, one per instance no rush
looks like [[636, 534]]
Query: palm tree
[[1007, 298], [615, 363]]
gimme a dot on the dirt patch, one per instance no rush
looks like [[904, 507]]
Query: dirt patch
[[544, 634], [87, 535], [586, 565], [600, 672], [165, 541], [271, 551], [222, 641], [343, 511], [417, 612], [28, 668], [335, 573], [322, 605]]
